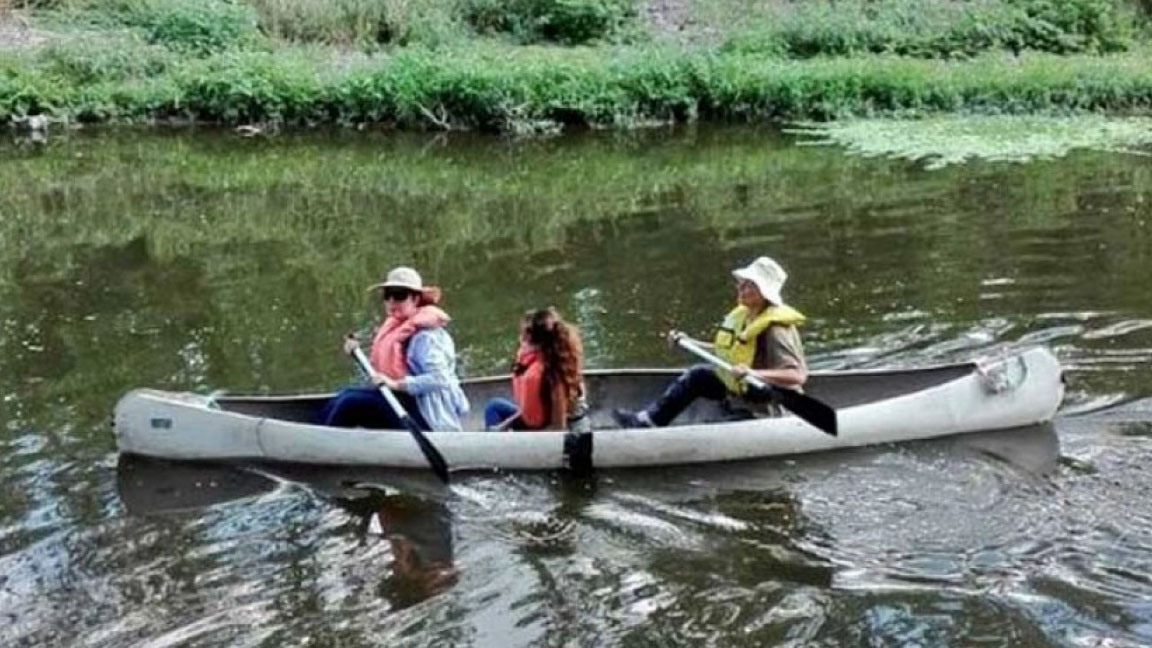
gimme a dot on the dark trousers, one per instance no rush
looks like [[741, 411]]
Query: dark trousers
[[365, 407], [700, 381]]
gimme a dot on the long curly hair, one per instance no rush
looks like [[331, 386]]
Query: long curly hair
[[559, 341]]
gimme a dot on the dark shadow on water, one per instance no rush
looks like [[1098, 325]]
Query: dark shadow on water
[[154, 486], [1034, 449]]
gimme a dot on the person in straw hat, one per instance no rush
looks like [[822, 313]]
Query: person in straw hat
[[413, 355], [758, 337]]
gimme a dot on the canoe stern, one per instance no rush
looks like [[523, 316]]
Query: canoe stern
[[182, 426]]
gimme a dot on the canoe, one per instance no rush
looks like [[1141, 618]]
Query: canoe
[[873, 407]]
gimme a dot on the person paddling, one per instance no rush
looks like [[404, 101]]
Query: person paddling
[[413, 355], [758, 337], [547, 379]]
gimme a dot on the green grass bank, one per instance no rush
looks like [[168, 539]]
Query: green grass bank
[[537, 66]]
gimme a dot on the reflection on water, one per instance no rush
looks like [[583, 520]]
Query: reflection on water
[[199, 262], [152, 486], [417, 528], [695, 551], [994, 537], [421, 541]]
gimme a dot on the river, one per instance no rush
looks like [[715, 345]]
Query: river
[[198, 260]]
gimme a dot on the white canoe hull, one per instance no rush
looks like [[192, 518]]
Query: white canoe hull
[[1021, 390]]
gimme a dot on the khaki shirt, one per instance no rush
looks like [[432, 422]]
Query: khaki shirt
[[779, 348]]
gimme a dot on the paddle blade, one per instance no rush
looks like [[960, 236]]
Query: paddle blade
[[808, 408]]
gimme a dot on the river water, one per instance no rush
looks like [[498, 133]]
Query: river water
[[201, 261]]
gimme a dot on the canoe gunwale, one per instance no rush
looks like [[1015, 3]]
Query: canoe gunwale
[[670, 372]]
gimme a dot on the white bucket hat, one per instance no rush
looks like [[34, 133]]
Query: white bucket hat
[[768, 276], [401, 277]]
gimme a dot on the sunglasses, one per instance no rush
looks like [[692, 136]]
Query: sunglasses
[[397, 294]]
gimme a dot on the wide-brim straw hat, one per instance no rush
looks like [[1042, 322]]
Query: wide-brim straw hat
[[401, 277], [768, 276]]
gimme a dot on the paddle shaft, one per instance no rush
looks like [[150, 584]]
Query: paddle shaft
[[393, 402], [695, 349], [806, 407], [435, 459]]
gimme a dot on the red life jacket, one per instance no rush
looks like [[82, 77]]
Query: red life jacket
[[529, 388]]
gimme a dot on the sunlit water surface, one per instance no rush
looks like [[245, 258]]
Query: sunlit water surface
[[198, 261]]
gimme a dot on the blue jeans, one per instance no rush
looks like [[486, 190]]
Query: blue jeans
[[498, 410], [365, 407]]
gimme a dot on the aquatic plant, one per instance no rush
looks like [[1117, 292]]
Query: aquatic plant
[[939, 142]]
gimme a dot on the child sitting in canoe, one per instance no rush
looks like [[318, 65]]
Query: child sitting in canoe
[[413, 355], [547, 378], [758, 338]]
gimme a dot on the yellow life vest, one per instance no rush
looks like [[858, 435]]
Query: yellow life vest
[[736, 337]]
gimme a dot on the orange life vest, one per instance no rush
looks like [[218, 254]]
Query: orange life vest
[[529, 389], [388, 354]]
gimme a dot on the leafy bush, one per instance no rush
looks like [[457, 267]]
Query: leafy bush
[[97, 60], [135, 73], [336, 21], [938, 28], [1068, 26], [192, 26], [241, 87], [363, 22], [569, 22]]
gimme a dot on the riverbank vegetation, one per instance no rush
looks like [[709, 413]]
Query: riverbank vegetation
[[531, 66]]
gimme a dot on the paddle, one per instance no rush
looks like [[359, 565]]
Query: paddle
[[435, 459], [816, 412]]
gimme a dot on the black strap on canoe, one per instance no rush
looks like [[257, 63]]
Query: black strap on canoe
[[578, 452]]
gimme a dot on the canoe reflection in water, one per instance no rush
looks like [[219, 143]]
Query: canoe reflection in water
[[419, 532], [417, 528], [155, 486]]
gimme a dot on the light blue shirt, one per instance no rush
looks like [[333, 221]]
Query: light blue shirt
[[432, 379]]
